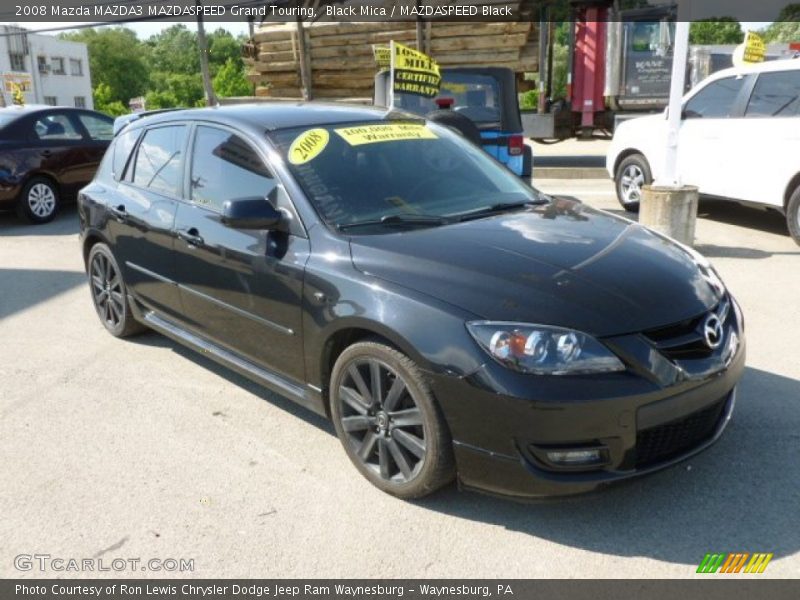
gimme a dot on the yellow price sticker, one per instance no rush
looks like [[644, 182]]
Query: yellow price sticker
[[389, 132], [308, 146]]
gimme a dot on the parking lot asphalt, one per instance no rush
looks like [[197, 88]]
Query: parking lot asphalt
[[141, 449]]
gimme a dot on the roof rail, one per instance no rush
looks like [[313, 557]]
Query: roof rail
[[122, 122]]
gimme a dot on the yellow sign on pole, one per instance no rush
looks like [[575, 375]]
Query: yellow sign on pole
[[413, 72], [21, 81], [383, 56], [754, 48]]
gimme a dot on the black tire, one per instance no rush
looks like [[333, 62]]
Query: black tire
[[632, 173], [793, 216], [463, 125], [527, 162], [109, 294], [39, 201], [406, 446]]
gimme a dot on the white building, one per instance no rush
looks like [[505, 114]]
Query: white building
[[49, 70]]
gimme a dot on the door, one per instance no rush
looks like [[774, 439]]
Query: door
[[143, 212], [59, 148], [767, 141], [704, 155], [240, 288]]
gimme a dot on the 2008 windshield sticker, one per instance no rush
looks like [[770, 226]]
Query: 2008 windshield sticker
[[307, 146], [389, 132]]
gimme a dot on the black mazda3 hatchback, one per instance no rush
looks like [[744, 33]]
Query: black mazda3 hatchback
[[450, 320]]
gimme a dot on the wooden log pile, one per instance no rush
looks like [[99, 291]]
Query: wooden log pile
[[341, 63]]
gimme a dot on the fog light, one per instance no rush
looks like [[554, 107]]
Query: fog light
[[574, 457]]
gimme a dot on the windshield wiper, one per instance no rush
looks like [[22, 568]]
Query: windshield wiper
[[499, 208], [402, 220]]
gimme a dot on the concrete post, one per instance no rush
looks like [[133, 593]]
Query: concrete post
[[670, 210]]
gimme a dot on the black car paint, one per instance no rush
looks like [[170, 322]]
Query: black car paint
[[70, 163], [277, 306]]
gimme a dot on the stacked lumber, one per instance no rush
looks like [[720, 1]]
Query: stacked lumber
[[341, 63]]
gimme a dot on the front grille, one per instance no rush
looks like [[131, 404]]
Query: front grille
[[685, 340], [672, 439]]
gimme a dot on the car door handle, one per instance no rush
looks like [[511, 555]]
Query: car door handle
[[46, 153], [119, 212], [190, 236]]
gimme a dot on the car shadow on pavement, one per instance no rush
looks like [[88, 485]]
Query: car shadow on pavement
[[20, 289], [157, 340], [65, 223], [740, 495], [733, 213], [713, 251]]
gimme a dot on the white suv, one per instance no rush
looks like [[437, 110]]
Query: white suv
[[739, 139]]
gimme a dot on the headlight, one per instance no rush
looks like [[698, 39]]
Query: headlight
[[543, 350]]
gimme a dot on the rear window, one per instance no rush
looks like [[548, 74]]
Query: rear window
[[475, 96], [122, 150], [776, 95]]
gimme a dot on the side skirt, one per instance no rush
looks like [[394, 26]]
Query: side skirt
[[306, 397]]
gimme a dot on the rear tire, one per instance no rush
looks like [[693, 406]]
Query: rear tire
[[109, 293], [39, 201], [793, 216], [388, 421], [632, 174]]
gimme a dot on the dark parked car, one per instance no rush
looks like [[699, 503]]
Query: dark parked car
[[47, 154], [382, 271]]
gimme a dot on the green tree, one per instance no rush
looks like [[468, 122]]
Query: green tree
[[116, 59], [230, 80], [174, 50], [104, 102], [787, 28], [222, 47], [718, 30]]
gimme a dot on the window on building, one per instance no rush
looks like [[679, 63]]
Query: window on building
[[58, 65], [716, 100], [17, 60], [776, 95], [80, 101], [224, 167], [51, 100], [75, 66], [41, 61], [158, 160]]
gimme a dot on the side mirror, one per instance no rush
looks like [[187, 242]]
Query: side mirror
[[252, 213]]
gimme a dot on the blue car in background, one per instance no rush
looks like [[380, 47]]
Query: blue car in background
[[481, 102]]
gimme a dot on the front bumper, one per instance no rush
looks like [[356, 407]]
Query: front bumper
[[502, 427]]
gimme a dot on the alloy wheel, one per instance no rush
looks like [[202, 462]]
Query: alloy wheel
[[382, 421], [107, 290], [41, 200], [631, 184]]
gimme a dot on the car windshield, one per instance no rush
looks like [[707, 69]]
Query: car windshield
[[397, 172]]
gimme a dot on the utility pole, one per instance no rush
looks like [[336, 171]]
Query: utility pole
[[211, 98]]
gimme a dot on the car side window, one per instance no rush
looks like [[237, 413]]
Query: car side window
[[100, 129], [224, 167], [122, 150], [55, 126], [775, 95], [715, 101], [158, 159]]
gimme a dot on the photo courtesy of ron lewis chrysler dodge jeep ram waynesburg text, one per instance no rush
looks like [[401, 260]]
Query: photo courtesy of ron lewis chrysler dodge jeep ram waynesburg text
[[381, 270]]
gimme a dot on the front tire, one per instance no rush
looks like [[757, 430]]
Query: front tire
[[633, 173], [388, 421], [793, 216], [39, 201], [109, 294]]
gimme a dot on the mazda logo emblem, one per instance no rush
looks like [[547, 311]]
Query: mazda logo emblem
[[712, 331]]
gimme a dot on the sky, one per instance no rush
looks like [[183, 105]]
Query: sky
[[145, 29]]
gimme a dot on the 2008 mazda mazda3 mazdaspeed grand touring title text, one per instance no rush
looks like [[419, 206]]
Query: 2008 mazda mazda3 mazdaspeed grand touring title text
[[381, 270]]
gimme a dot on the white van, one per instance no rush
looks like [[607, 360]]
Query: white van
[[739, 139]]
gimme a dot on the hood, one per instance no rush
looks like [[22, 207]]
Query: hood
[[561, 264]]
